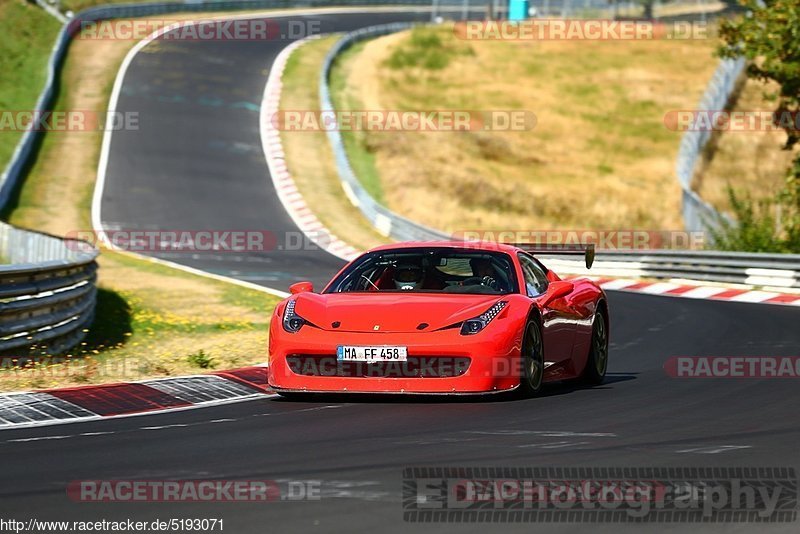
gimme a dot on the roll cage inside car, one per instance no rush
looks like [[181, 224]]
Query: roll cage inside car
[[444, 270]]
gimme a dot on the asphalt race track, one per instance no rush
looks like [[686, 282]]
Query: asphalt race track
[[201, 166], [358, 449], [196, 161]]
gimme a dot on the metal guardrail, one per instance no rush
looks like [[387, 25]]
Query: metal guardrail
[[383, 219], [755, 269], [47, 290], [52, 11], [697, 214], [752, 269], [14, 170]]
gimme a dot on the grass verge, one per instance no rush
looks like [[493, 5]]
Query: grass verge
[[599, 157], [27, 35], [151, 320], [356, 143], [79, 5], [309, 156], [154, 321]]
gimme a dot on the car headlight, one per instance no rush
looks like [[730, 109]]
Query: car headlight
[[475, 325], [291, 321]]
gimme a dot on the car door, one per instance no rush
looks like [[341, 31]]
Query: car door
[[558, 318]]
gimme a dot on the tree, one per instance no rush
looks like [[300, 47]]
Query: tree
[[769, 37]]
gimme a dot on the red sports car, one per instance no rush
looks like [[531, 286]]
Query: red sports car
[[450, 317]]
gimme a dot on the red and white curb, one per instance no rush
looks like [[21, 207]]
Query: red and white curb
[[287, 191], [674, 289], [89, 403]]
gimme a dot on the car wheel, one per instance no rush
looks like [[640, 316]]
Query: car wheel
[[596, 364], [532, 374]]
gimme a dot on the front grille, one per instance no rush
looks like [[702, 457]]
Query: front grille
[[413, 367]]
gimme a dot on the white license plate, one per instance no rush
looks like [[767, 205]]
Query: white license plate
[[381, 353]]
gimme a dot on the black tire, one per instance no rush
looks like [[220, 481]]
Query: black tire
[[532, 373], [597, 363]]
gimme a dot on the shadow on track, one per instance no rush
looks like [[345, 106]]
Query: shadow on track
[[549, 390]]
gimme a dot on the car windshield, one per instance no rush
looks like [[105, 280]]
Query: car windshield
[[433, 270]]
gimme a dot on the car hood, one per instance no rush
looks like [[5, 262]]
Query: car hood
[[395, 312]]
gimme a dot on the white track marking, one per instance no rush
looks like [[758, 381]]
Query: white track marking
[[284, 185], [754, 296], [714, 449], [545, 433], [660, 287], [163, 427], [84, 419], [40, 438], [201, 389], [45, 438], [30, 408], [703, 292], [554, 445], [619, 283]]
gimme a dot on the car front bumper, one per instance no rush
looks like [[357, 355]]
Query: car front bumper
[[435, 362]]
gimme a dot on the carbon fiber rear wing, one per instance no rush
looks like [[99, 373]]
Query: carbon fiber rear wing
[[585, 250]]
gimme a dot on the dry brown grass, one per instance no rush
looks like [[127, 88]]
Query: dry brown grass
[[150, 320], [751, 162], [599, 156]]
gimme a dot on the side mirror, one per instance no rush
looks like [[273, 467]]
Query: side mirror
[[556, 290], [301, 287]]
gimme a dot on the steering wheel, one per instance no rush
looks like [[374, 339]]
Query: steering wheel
[[483, 281]]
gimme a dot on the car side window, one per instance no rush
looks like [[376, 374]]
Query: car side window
[[535, 277]]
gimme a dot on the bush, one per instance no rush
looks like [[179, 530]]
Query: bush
[[426, 49], [200, 359], [769, 225]]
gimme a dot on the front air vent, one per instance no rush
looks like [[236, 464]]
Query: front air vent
[[425, 367]]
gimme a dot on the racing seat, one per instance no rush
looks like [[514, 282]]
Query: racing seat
[[385, 280]]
